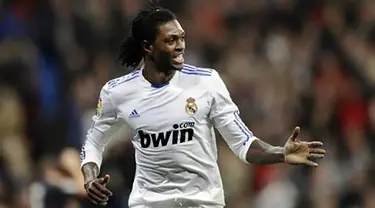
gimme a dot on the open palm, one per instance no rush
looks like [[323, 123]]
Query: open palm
[[298, 152]]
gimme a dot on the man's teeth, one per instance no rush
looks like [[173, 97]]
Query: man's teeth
[[179, 58]]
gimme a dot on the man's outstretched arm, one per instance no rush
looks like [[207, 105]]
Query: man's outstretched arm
[[294, 151], [262, 153], [226, 118]]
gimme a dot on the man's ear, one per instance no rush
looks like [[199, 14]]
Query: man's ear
[[147, 46]]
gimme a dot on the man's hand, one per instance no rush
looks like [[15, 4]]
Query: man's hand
[[300, 152], [97, 191]]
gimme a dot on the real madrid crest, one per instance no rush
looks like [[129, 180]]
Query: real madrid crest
[[191, 108]]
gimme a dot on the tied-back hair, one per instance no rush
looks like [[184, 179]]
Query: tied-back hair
[[144, 27]]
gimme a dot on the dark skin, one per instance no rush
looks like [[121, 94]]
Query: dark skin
[[294, 152], [160, 66], [96, 188]]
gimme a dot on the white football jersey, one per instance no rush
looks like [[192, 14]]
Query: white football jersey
[[173, 135]]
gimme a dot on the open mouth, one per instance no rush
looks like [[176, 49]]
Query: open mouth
[[179, 59]]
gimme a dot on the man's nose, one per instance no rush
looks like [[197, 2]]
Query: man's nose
[[180, 46]]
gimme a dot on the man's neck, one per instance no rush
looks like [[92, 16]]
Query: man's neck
[[154, 76]]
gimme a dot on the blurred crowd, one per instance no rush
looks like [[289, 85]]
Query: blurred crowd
[[285, 62]]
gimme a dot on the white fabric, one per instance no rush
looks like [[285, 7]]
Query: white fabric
[[177, 158]]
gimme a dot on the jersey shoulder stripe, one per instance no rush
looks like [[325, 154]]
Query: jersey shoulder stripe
[[192, 70], [126, 78]]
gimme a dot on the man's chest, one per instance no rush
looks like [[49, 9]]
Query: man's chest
[[164, 109]]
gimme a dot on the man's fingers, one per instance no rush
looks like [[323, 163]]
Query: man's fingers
[[98, 193], [316, 156], [311, 163], [96, 198], [95, 191], [92, 200], [106, 179], [97, 203], [317, 151], [102, 189], [315, 144], [295, 133]]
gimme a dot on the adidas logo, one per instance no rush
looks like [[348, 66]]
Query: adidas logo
[[134, 114]]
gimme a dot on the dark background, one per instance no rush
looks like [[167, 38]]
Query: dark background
[[285, 62]]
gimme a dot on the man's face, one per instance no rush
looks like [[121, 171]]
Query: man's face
[[168, 49]]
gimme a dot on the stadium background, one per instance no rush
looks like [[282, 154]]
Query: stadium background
[[286, 63]]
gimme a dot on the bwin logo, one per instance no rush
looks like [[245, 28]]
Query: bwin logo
[[181, 133]]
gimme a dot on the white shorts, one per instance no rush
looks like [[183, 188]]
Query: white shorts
[[175, 206], [177, 203]]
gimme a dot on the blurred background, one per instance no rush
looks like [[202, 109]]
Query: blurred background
[[286, 63]]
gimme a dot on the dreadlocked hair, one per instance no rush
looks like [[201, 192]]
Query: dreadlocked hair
[[144, 27]]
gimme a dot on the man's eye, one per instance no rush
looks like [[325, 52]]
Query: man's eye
[[171, 41]]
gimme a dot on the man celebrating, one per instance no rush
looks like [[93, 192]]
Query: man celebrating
[[172, 109]]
